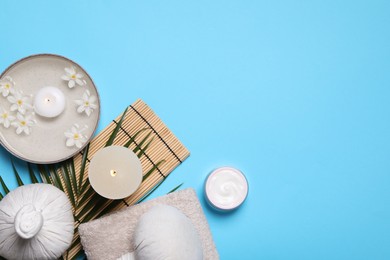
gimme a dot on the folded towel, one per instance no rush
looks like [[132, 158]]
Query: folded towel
[[111, 236]]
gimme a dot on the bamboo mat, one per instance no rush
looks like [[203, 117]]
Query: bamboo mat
[[165, 153]]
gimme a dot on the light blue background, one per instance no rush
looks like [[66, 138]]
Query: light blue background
[[294, 93]]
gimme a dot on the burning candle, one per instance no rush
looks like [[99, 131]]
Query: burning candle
[[115, 172], [49, 102], [226, 188]]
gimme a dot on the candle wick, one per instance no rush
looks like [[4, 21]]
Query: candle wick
[[113, 173]]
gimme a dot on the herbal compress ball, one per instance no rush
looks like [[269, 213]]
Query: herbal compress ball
[[36, 222], [164, 232]]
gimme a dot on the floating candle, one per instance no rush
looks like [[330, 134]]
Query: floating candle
[[115, 172], [226, 188], [49, 102]]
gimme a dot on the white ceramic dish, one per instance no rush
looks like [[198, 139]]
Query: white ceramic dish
[[46, 142]]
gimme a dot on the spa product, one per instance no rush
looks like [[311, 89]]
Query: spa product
[[164, 232], [49, 102], [43, 99], [36, 222], [226, 188], [109, 238], [115, 172]]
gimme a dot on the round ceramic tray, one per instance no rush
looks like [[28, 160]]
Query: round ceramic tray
[[37, 124]]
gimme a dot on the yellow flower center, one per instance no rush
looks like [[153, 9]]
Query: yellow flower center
[[87, 103], [5, 115], [23, 123], [20, 102], [76, 136], [73, 76], [7, 86]]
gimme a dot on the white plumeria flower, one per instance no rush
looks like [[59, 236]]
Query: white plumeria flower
[[19, 102], [5, 118], [23, 123], [86, 104], [73, 77], [75, 137], [7, 86]]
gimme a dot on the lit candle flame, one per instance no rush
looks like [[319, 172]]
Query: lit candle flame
[[113, 173]]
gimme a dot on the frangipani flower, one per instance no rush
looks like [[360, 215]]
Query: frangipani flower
[[73, 77], [23, 123], [19, 102], [7, 86], [87, 104], [5, 118], [75, 137]]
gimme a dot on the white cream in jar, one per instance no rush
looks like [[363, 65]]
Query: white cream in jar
[[226, 188]]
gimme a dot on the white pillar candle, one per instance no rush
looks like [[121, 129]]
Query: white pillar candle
[[115, 172], [49, 102], [226, 188]]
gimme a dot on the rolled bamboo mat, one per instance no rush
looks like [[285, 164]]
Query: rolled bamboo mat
[[165, 153]]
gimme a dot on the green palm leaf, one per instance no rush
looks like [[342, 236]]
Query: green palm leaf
[[132, 139], [109, 208], [72, 174], [55, 177], [18, 179], [174, 189], [86, 195], [82, 169], [5, 188], [68, 184], [84, 187], [32, 174], [44, 175], [143, 150], [139, 146], [95, 203], [80, 254], [152, 170], [116, 130]]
